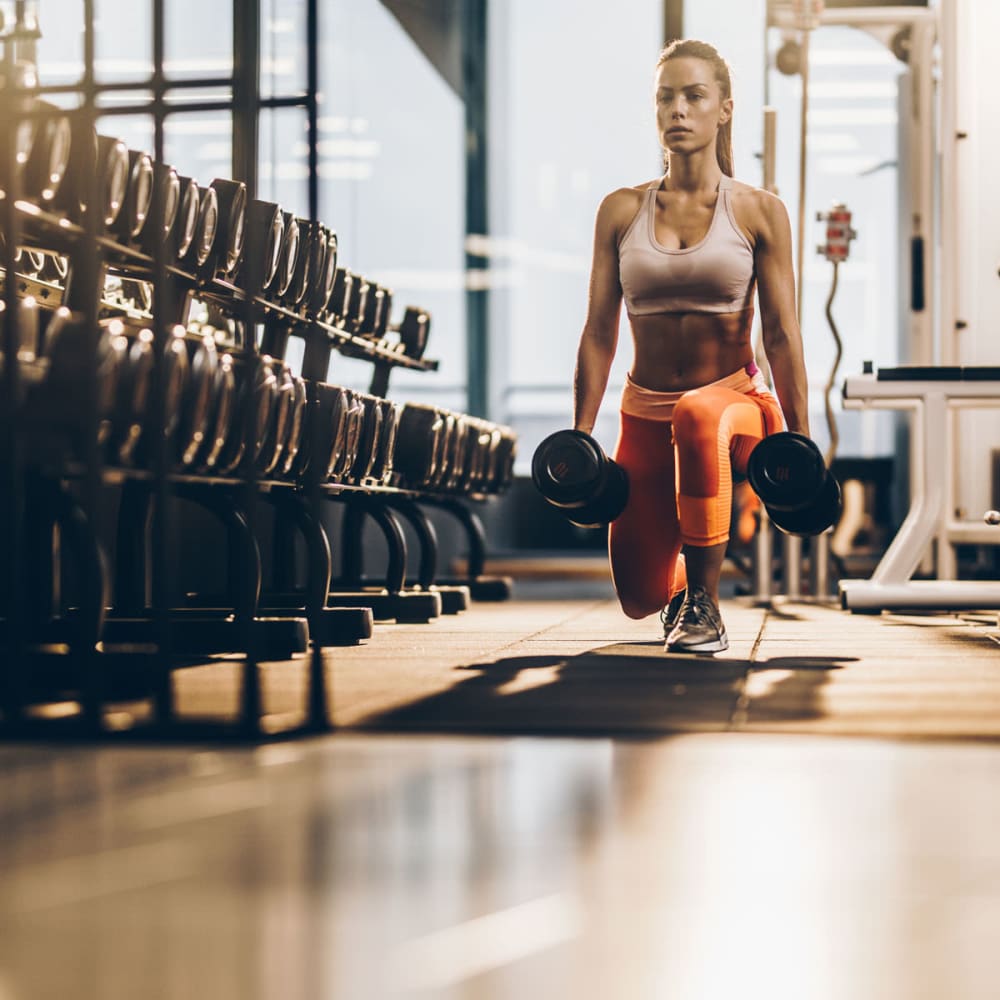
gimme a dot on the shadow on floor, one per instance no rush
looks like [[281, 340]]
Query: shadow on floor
[[621, 688]]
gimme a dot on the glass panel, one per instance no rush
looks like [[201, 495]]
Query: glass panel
[[60, 49], [199, 39], [123, 40], [562, 136], [283, 171], [199, 144], [283, 47], [392, 165], [136, 131]]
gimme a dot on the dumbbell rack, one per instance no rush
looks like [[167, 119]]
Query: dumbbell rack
[[58, 473]]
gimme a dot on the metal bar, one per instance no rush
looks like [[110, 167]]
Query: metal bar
[[474, 16], [246, 91], [803, 151], [246, 104], [673, 20], [312, 103], [145, 84], [942, 595], [160, 533], [858, 16], [12, 679]]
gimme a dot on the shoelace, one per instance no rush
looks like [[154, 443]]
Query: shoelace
[[698, 610]]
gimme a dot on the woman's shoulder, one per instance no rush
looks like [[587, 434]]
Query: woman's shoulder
[[758, 209], [757, 199], [620, 205]]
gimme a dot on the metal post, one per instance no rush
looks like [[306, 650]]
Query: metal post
[[763, 557], [474, 14], [792, 568], [246, 91], [819, 567]]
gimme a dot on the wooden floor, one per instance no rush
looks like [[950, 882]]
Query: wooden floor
[[531, 799]]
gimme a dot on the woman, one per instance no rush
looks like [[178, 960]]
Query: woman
[[686, 252]]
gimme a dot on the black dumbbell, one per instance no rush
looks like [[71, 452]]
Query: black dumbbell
[[802, 497], [414, 330], [417, 444], [571, 470], [198, 398], [219, 424]]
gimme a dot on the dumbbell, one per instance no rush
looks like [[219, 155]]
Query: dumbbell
[[572, 472], [296, 427], [386, 446], [417, 444], [346, 453], [371, 432], [414, 330], [219, 425], [802, 497], [196, 411]]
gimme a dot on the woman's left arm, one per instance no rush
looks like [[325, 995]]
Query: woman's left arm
[[779, 322]]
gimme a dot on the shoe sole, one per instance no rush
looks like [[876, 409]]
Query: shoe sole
[[715, 646]]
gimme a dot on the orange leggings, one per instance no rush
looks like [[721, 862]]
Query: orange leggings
[[680, 450]]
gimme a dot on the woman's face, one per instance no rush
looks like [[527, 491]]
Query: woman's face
[[689, 104]]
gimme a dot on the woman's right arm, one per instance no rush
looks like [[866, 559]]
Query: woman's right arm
[[599, 339]]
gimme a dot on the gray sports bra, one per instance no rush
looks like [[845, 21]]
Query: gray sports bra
[[716, 275]]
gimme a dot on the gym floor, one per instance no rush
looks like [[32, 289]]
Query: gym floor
[[531, 800]]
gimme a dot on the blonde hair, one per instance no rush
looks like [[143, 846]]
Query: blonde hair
[[691, 48]]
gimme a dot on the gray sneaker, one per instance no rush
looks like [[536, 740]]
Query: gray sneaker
[[699, 627], [668, 616]]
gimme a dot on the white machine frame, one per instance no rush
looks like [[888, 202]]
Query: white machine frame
[[932, 404]]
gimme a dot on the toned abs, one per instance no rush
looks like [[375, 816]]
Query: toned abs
[[675, 351]]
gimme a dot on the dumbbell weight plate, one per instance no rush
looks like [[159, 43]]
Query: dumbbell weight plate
[[276, 436], [372, 315], [296, 425], [265, 398], [186, 223], [317, 268], [418, 442], [112, 167], [371, 430], [385, 449], [787, 471], [321, 299], [454, 454], [256, 388], [352, 437], [353, 304], [48, 159], [382, 323], [112, 357], [219, 425], [175, 362], [197, 407], [340, 295], [317, 433], [444, 450], [569, 468], [133, 397], [414, 331], [300, 279], [289, 259], [505, 457], [329, 436], [138, 195]]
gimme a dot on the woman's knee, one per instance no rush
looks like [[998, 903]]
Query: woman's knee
[[695, 416]]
